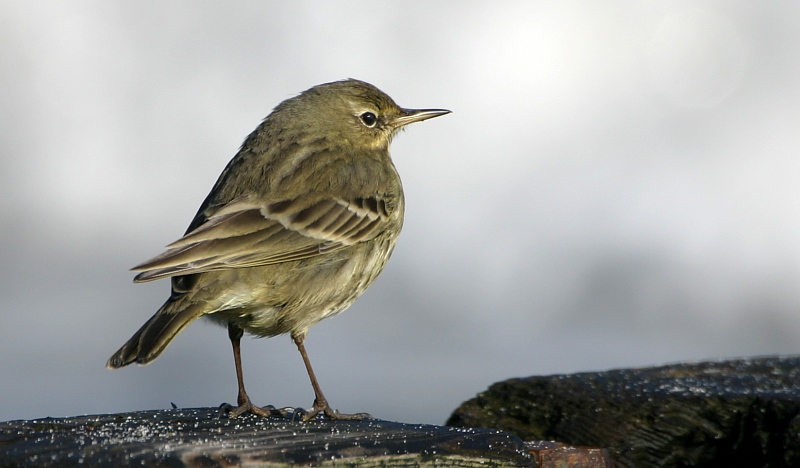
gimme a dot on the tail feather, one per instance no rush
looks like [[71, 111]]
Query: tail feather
[[155, 335]]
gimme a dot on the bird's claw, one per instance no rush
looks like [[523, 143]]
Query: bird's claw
[[330, 413], [234, 412]]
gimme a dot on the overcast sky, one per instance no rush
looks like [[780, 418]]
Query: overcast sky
[[618, 185]]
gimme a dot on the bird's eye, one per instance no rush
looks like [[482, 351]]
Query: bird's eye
[[369, 119]]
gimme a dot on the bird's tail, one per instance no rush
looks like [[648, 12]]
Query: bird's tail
[[156, 334]]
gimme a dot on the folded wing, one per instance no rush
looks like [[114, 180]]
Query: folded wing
[[242, 234]]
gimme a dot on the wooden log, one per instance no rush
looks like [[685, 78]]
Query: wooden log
[[743, 412], [205, 438]]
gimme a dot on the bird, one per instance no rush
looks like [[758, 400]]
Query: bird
[[298, 225]]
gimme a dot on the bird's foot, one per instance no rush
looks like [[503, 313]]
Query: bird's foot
[[248, 407], [324, 408]]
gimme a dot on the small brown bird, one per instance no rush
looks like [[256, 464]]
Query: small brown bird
[[299, 224]]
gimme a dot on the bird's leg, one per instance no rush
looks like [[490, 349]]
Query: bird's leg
[[245, 406], [320, 403]]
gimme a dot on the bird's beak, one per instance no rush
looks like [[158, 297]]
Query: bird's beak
[[417, 115]]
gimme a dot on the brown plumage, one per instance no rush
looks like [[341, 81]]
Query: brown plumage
[[298, 225]]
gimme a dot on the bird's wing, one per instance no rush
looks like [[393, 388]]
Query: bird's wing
[[243, 234]]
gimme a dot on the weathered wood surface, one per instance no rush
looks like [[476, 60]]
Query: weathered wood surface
[[742, 412], [201, 438]]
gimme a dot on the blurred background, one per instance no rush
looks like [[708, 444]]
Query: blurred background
[[618, 185]]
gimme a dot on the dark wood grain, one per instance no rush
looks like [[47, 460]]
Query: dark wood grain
[[204, 438], [743, 412]]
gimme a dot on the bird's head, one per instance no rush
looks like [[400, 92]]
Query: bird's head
[[353, 111]]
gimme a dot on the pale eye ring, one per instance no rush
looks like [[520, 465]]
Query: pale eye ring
[[369, 119]]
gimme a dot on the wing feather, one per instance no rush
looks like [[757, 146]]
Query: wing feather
[[242, 234]]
